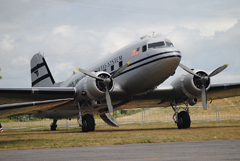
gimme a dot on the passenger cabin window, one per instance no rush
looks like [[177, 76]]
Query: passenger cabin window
[[112, 67], [156, 45], [120, 64], [144, 48]]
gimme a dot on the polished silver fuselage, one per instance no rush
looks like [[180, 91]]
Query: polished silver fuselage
[[148, 68], [146, 71]]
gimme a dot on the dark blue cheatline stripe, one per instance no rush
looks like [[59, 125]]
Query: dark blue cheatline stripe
[[37, 67], [40, 79], [172, 56], [153, 56]]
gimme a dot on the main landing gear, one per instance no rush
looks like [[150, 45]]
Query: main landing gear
[[54, 124], [88, 123], [182, 118], [86, 118]]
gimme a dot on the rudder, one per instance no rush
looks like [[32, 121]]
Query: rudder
[[40, 73]]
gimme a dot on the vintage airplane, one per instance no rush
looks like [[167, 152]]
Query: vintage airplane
[[126, 79]]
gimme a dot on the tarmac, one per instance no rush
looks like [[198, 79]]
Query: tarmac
[[217, 150]]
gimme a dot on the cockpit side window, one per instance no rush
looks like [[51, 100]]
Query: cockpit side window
[[156, 45], [144, 48], [169, 43]]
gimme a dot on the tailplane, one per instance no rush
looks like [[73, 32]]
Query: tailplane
[[40, 73]]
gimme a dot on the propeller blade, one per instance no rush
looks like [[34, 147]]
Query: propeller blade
[[106, 82], [188, 70], [109, 102], [117, 72], [218, 70], [88, 73], [204, 98]]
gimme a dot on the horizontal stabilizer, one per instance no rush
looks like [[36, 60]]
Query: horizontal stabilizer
[[109, 119]]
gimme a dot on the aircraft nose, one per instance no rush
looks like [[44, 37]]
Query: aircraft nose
[[175, 53]]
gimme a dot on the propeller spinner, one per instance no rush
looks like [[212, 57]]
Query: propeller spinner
[[204, 79]]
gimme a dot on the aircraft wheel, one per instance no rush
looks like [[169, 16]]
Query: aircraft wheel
[[53, 127], [88, 123], [183, 120]]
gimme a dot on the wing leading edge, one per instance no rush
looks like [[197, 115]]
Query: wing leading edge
[[14, 101], [218, 91], [164, 96], [30, 107]]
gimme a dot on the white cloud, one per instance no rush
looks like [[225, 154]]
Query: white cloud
[[78, 33], [8, 43], [208, 27]]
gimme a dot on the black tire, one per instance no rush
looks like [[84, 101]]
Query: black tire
[[184, 120], [88, 123], [53, 127]]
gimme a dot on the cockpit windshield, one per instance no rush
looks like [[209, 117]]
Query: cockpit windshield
[[160, 44], [168, 43], [156, 45]]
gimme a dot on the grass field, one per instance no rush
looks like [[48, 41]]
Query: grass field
[[125, 134], [128, 134]]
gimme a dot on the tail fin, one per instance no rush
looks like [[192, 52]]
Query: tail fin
[[40, 73]]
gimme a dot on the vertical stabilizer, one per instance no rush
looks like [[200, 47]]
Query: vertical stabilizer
[[40, 73]]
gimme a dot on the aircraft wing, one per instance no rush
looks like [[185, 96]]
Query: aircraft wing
[[15, 101], [218, 91], [159, 97], [163, 96]]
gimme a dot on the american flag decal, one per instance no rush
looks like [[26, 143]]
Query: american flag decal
[[135, 52]]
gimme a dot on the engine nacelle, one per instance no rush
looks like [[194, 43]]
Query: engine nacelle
[[91, 88], [190, 85]]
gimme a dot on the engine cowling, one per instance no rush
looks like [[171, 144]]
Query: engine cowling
[[189, 85], [91, 88]]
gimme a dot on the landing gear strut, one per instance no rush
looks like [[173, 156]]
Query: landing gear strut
[[54, 125], [182, 118]]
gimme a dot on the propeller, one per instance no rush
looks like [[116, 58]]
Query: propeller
[[204, 79], [106, 82]]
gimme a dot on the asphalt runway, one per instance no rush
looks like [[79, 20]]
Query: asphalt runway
[[188, 151]]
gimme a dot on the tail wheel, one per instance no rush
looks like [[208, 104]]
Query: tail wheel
[[88, 123], [183, 120]]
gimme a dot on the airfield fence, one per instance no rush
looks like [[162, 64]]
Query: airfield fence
[[142, 116]]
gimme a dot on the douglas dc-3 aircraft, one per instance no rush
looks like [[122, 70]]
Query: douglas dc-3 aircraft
[[126, 79]]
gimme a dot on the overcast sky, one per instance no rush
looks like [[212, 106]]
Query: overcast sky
[[77, 33]]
